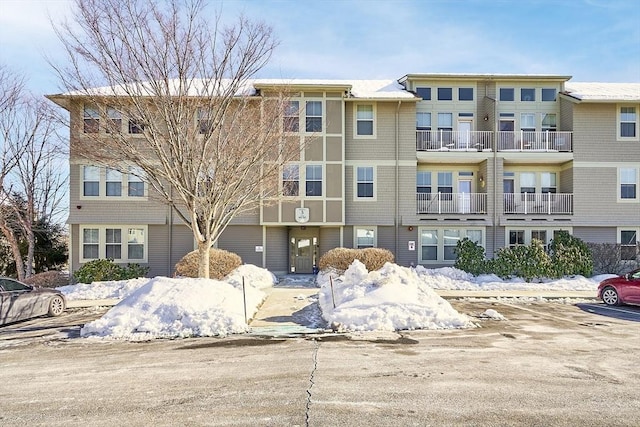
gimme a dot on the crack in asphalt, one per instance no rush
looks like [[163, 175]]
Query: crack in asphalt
[[311, 381]]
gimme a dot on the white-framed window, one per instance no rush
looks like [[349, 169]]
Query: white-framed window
[[365, 237], [437, 244], [465, 94], [445, 185], [549, 122], [114, 123], [527, 182], [628, 179], [527, 94], [365, 120], [628, 123], [313, 113], [423, 182], [445, 121], [291, 180], [506, 94], [107, 183], [113, 183], [90, 181], [423, 121], [445, 94], [291, 119], [91, 117], [628, 240], [549, 94], [365, 188], [136, 127], [313, 180], [424, 93], [523, 235], [548, 182], [122, 243], [528, 122]]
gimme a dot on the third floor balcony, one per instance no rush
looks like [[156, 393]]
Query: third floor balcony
[[505, 141]]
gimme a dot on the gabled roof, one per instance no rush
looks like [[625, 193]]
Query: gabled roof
[[602, 92]]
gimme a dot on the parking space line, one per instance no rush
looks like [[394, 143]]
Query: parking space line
[[608, 307]]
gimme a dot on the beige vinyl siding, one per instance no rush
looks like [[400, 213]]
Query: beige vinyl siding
[[243, 240], [403, 255], [276, 249], [566, 115], [596, 234], [381, 210], [407, 194], [566, 181]]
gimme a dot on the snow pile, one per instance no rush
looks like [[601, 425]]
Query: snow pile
[[257, 277], [116, 289], [492, 314], [182, 307], [392, 298], [449, 278]]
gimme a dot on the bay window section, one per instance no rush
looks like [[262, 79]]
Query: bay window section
[[90, 243], [113, 246], [113, 183]]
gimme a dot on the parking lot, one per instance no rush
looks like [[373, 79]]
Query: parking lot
[[547, 364]]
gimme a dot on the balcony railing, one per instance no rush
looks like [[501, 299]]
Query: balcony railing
[[446, 140], [451, 203], [548, 141], [539, 203]]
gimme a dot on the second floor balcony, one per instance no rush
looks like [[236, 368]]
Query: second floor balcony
[[451, 203], [546, 141], [539, 203], [449, 140]]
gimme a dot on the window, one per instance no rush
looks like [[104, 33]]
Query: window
[[445, 94], [527, 95], [91, 180], [628, 122], [365, 237], [548, 182], [628, 183], [445, 121], [290, 180], [424, 93], [451, 238], [136, 126], [516, 237], [465, 94], [549, 122], [423, 182], [204, 121], [628, 245], [423, 128], [445, 184], [506, 94], [90, 243], [528, 122], [135, 244], [423, 121], [113, 246], [91, 120], [429, 245], [292, 117], [108, 242], [548, 94], [314, 180], [527, 182], [135, 187], [364, 120], [114, 124], [314, 116], [365, 182], [113, 183]]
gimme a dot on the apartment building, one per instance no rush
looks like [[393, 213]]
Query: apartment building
[[412, 165]]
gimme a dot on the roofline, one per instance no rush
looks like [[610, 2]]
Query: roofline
[[577, 100], [465, 76]]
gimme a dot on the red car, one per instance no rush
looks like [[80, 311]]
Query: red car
[[621, 290]]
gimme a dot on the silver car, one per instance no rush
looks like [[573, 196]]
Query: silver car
[[19, 301]]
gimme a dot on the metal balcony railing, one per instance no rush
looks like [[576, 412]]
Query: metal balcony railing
[[539, 203], [451, 203], [546, 141], [447, 140]]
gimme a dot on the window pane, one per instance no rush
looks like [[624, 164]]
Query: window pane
[[423, 120], [423, 178], [136, 189], [113, 235], [90, 251], [365, 127], [548, 94], [527, 179], [445, 178], [549, 121], [365, 112], [429, 237], [91, 188], [365, 189], [365, 173], [114, 188], [445, 120], [548, 179], [90, 235], [91, 173], [627, 114], [135, 243], [424, 93], [475, 236], [365, 238], [527, 95], [465, 94], [516, 237], [113, 251], [506, 94], [628, 129], [445, 94]]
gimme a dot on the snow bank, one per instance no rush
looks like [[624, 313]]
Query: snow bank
[[392, 298], [168, 307]]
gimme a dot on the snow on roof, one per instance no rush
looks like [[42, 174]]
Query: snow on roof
[[596, 91], [365, 89]]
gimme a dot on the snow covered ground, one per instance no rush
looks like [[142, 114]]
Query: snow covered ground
[[392, 298]]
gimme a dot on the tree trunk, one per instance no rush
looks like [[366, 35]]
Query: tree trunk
[[31, 249], [203, 264], [15, 249]]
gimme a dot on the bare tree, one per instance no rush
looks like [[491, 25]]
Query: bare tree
[[31, 185], [208, 144]]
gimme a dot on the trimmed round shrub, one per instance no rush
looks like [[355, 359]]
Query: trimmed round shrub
[[340, 259], [49, 279], [221, 263]]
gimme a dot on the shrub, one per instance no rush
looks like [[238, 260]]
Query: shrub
[[470, 257], [105, 269], [607, 258], [570, 256], [528, 262], [340, 259], [49, 279], [221, 263]]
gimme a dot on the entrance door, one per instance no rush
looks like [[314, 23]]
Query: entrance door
[[507, 140], [303, 250], [464, 196], [464, 135]]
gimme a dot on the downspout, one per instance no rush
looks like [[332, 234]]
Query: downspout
[[170, 242], [495, 174], [397, 177]]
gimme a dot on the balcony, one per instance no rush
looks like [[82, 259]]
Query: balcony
[[451, 203], [547, 141], [446, 140], [539, 203]]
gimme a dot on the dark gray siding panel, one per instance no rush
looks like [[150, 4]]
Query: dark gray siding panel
[[596, 234], [277, 249], [243, 240], [387, 238], [182, 243], [158, 251], [329, 239]]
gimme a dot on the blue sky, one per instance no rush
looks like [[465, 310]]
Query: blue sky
[[591, 40]]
